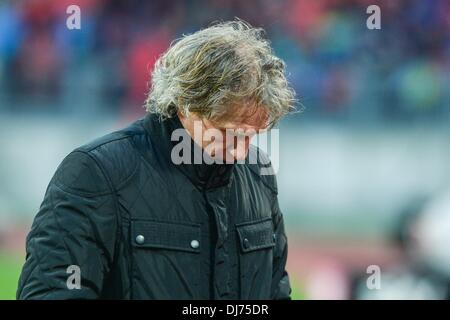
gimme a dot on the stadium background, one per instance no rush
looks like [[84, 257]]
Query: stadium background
[[367, 154]]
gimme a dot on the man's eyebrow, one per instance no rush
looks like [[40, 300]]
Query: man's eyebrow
[[246, 130], [233, 126]]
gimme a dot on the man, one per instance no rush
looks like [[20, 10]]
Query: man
[[137, 214]]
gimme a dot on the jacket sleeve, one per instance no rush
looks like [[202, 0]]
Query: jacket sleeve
[[73, 235], [281, 288]]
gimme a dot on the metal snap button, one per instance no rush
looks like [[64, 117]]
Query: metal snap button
[[140, 239], [195, 244], [246, 243]]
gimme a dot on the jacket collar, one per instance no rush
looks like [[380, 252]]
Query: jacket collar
[[204, 176]]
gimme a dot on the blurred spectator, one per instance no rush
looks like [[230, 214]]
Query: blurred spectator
[[339, 68], [423, 235]]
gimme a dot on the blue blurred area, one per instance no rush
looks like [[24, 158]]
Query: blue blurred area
[[341, 70]]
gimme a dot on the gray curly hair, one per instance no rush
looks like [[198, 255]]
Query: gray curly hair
[[208, 72]]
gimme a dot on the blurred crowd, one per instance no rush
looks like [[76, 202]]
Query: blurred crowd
[[339, 68]]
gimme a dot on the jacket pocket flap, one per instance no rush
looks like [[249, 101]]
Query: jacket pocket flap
[[166, 235], [256, 235]]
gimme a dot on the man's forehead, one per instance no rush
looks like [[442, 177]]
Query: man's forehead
[[250, 116]]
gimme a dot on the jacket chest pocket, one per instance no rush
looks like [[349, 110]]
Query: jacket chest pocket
[[166, 259], [256, 241]]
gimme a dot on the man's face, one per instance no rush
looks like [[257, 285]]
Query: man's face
[[227, 139]]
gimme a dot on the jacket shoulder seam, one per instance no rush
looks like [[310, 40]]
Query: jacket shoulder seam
[[69, 190], [104, 171], [96, 146]]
